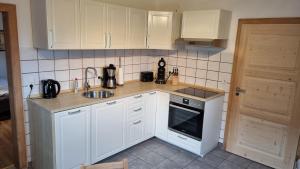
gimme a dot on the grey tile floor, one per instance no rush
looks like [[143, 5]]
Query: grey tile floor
[[157, 154]]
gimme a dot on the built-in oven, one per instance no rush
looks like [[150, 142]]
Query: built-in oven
[[186, 116]]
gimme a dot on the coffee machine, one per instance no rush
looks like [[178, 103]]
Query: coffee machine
[[109, 77], [161, 72]]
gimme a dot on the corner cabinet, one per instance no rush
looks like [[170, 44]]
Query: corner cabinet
[[107, 129], [206, 24], [162, 116], [56, 24], [163, 29]]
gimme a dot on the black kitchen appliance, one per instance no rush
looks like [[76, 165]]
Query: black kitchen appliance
[[109, 77], [146, 76], [161, 72], [51, 88], [186, 116]]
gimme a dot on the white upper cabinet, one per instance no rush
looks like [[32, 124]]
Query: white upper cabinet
[[137, 28], [56, 24], [206, 24], [116, 26], [93, 24], [163, 29]]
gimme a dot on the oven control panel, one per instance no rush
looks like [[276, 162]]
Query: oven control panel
[[187, 101]]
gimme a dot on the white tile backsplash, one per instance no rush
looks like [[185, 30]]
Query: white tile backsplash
[[29, 66], [61, 64], [46, 65]]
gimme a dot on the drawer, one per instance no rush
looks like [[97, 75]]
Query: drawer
[[135, 99], [184, 142], [135, 111]]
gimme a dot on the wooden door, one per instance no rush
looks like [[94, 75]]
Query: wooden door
[[159, 30], [108, 125], [116, 25], [93, 25], [64, 22], [137, 31], [72, 135], [264, 114]]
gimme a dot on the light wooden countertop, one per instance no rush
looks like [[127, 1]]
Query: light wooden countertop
[[67, 101]]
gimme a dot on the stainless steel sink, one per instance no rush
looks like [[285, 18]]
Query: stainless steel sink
[[102, 94]]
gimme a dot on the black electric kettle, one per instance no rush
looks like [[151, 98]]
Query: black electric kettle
[[51, 88]]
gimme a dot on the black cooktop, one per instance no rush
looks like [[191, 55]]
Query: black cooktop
[[197, 92]]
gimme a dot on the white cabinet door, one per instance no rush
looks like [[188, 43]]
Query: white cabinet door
[[135, 131], [116, 25], [72, 138], [137, 30], [150, 111], [162, 116], [159, 30], [108, 129], [93, 24], [64, 24], [206, 24]]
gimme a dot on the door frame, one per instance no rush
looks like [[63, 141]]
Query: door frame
[[14, 83], [233, 83]]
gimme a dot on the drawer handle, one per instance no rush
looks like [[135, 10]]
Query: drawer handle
[[137, 97], [183, 138], [136, 110], [74, 112], [152, 93], [137, 122], [111, 103]]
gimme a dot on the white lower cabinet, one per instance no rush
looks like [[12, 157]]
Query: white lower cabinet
[[108, 129], [72, 138], [150, 112], [162, 116]]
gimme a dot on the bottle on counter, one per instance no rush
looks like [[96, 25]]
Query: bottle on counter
[[76, 85]]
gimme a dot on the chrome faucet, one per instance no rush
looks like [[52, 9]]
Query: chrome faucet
[[87, 86]]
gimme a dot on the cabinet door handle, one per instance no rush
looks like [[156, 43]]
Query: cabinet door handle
[[51, 38], [74, 112], [183, 138], [139, 96], [137, 122], [111, 103], [152, 93], [136, 110]]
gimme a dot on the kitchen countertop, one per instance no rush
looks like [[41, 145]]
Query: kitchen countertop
[[67, 101]]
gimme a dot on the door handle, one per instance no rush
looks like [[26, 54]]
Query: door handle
[[109, 40], [74, 112], [137, 97], [111, 103], [152, 93], [136, 110], [105, 40], [239, 90], [138, 122], [182, 138]]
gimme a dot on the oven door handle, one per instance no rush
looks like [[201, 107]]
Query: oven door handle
[[178, 107]]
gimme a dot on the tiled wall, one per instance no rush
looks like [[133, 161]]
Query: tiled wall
[[211, 69]]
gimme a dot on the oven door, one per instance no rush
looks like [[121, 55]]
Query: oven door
[[186, 120]]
